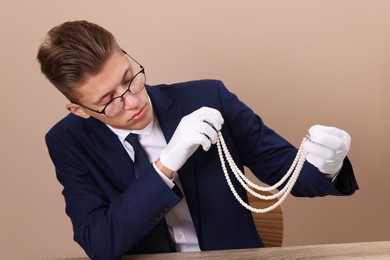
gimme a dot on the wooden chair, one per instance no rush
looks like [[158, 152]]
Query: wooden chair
[[269, 225]]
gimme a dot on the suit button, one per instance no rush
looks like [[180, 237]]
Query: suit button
[[179, 237]]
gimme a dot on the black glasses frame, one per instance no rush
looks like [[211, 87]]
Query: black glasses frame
[[103, 111]]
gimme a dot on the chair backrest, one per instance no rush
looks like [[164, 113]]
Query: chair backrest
[[269, 225]]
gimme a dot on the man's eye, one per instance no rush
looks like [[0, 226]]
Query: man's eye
[[105, 102]]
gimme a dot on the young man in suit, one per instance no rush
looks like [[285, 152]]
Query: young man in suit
[[179, 199]]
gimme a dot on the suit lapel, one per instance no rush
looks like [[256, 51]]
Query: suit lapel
[[120, 168], [169, 115]]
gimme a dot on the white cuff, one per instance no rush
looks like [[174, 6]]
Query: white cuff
[[167, 181], [333, 176]]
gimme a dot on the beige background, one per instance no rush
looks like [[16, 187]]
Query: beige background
[[296, 63]]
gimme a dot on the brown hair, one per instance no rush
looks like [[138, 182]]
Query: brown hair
[[74, 51]]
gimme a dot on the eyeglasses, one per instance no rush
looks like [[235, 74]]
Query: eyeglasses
[[115, 105]]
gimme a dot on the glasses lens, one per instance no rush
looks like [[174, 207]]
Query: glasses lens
[[138, 83], [114, 107]]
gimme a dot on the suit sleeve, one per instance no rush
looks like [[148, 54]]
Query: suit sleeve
[[269, 156], [107, 223]]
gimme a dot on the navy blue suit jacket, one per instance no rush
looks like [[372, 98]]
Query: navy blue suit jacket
[[113, 213]]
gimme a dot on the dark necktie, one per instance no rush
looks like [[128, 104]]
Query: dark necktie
[[140, 157]]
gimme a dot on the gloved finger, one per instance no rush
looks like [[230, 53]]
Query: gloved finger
[[331, 137], [329, 130], [202, 139], [321, 151], [209, 132], [315, 160], [212, 117]]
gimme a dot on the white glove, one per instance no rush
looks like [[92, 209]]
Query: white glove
[[327, 148], [198, 128]]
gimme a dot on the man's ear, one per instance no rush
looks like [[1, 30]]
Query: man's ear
[[77, 110]]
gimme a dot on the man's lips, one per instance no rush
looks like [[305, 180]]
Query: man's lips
[[139, 114]]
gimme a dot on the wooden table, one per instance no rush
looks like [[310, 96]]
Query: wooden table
[[361, 250], [364, 250]]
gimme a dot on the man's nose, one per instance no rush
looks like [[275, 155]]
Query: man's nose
[[130, 100]]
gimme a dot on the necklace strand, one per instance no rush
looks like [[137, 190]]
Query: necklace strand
[[293, 173]]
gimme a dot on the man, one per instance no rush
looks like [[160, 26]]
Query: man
[[179, 200]]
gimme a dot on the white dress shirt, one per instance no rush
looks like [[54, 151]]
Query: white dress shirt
[[179, 221]]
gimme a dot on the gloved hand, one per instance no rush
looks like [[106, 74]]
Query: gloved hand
[[327, 148], [198, 128]]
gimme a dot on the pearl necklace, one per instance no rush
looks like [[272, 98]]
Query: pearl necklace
[[294, 171]]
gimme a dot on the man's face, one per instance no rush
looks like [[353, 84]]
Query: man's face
[[111, 82]]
